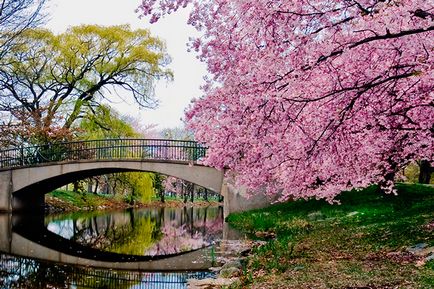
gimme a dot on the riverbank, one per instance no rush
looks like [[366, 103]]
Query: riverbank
[[66, 201], [369, 241]]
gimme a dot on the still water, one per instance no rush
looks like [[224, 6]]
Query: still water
[[140, 248]]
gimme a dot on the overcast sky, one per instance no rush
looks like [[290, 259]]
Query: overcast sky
[[174, 96]]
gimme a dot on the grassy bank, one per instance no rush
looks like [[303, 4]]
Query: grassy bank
[[365, 242], [62, 200]]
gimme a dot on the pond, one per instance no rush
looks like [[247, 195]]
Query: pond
[[136, 248]]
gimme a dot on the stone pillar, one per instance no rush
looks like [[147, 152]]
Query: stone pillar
[[5, 191], [5, 233], [237, 200]]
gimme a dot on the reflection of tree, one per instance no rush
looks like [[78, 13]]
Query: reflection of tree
[[94, 231], [209, 222], [118, 233], [193, 228], [176, 239], [136, 239], [156, 231], [31, 272]]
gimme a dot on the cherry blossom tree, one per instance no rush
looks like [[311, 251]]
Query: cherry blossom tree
[[180, 187], [307, 98]]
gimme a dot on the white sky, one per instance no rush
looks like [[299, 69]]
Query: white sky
[[174, 96]]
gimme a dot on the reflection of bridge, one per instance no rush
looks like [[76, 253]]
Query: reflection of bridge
[[27, 173], [28, 237], [14, 276]]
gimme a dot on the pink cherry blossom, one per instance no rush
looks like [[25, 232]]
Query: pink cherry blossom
[[307, 98]]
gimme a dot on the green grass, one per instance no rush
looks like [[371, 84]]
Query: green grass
[[82, 200], [358, 244]]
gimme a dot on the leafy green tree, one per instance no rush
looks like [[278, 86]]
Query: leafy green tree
[[49, 81], [158, 186], [133, 186], [104, 122]]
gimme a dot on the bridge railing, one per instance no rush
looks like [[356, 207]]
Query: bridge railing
[[107, 149]]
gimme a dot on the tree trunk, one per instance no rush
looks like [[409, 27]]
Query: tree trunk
[[76, 187], [220, 198], [96, 187], [205, 197], [425, 172], [191, 187], [162, 195], [89, 186], [185, 193]]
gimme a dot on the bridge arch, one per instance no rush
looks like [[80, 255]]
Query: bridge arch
[[26, 173], [28, 185]]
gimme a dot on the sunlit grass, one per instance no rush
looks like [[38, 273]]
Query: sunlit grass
[[82, 200], [360, 242]]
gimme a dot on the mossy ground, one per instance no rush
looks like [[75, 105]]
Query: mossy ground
[[361, 243]]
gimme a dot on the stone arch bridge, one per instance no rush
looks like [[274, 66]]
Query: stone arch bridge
[[27, 173]]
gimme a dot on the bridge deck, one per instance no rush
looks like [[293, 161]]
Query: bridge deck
[[107, 149]]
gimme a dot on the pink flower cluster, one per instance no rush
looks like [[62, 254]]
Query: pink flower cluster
[[309, 97]]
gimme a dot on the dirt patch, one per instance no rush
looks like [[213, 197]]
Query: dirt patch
[[375, 287], [400, 257]]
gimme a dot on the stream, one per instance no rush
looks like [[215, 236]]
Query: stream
[[134, 248]]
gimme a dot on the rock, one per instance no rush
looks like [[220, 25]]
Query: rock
[[430, 257], [298, 267], [245, 252], [352, 214], [417, 247], [316, 216], [429, 227], [210, 283], [265, 235], [229, 272], [215, 269], [420, 263], [233, 263], [421, 249]]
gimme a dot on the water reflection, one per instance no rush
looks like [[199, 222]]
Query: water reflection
[[146, 248], [23, 273], [144, 232]]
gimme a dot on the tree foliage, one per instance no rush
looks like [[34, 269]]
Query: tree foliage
[[309, 98], [50, 80], [133, 186], [15, 17], [105, 123]]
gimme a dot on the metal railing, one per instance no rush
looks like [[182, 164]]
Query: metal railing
[[107, 149]]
